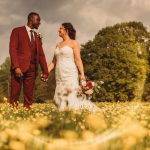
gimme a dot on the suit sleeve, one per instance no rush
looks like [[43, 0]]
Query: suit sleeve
[[13, 46], [42, 59]]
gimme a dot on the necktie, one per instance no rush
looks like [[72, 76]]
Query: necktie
[[31, 35]]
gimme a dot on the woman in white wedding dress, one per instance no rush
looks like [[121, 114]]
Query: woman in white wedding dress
[[68, 65]]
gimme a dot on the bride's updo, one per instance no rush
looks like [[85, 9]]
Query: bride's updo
[[70, 29]]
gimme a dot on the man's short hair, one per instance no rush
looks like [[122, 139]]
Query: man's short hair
[[31, 14]]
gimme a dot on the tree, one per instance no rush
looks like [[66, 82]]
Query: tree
[[5, 79], [118, 56]]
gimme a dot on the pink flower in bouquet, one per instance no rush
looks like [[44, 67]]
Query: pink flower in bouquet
[[89, 92]]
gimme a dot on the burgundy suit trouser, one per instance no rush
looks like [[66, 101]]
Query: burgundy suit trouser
[[28, 82]]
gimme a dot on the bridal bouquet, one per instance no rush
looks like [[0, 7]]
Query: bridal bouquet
[[87, 88]]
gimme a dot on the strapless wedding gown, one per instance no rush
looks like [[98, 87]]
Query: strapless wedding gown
[[67, 82]]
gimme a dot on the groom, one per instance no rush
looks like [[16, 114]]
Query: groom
[[26, 54]]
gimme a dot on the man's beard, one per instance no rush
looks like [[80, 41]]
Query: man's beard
[[35, 26]]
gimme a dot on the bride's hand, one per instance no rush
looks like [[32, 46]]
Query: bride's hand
[[82, 77], [49, 70]]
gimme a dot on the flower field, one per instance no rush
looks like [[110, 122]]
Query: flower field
[[119, 126]]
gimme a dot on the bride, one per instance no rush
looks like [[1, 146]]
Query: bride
[[69, 72]]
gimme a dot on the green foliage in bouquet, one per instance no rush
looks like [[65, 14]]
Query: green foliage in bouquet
[[119, 56]]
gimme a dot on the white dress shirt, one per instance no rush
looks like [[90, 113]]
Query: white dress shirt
[[29, 33]]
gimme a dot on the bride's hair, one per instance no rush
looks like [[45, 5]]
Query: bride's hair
[[70, 29]]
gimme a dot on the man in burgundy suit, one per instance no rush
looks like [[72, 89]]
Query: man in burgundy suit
[[26, 54]]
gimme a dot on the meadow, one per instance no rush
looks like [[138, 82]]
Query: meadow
[[118, 126]]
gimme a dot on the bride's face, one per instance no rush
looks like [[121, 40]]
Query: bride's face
[[62, 31]]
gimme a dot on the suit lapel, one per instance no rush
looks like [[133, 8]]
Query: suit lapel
[[27, 36], [36, 41], [37, 46]]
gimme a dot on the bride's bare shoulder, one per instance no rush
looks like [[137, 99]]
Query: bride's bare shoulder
[[75, 43], [58, 44]]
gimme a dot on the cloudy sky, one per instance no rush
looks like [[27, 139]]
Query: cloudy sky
[[87, 16]]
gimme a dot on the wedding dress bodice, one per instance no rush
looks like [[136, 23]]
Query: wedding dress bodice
[[66, 70]]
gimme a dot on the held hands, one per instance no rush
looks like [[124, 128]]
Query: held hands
[[44, 77], [18, 72]]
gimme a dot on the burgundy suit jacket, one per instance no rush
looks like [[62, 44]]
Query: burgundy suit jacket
[[20, 50]]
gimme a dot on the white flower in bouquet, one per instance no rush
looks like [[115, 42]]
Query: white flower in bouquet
[[93, 84], [101, 82]]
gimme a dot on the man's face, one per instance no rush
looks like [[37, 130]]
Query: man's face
[[36, 21]]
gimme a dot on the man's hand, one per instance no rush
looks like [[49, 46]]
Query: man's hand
[[44, 77], [18, 72]]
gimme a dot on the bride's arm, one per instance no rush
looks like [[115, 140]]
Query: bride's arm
[[78, 60], [52, 65]]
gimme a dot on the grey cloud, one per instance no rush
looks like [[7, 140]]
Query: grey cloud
[[88, 16]]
